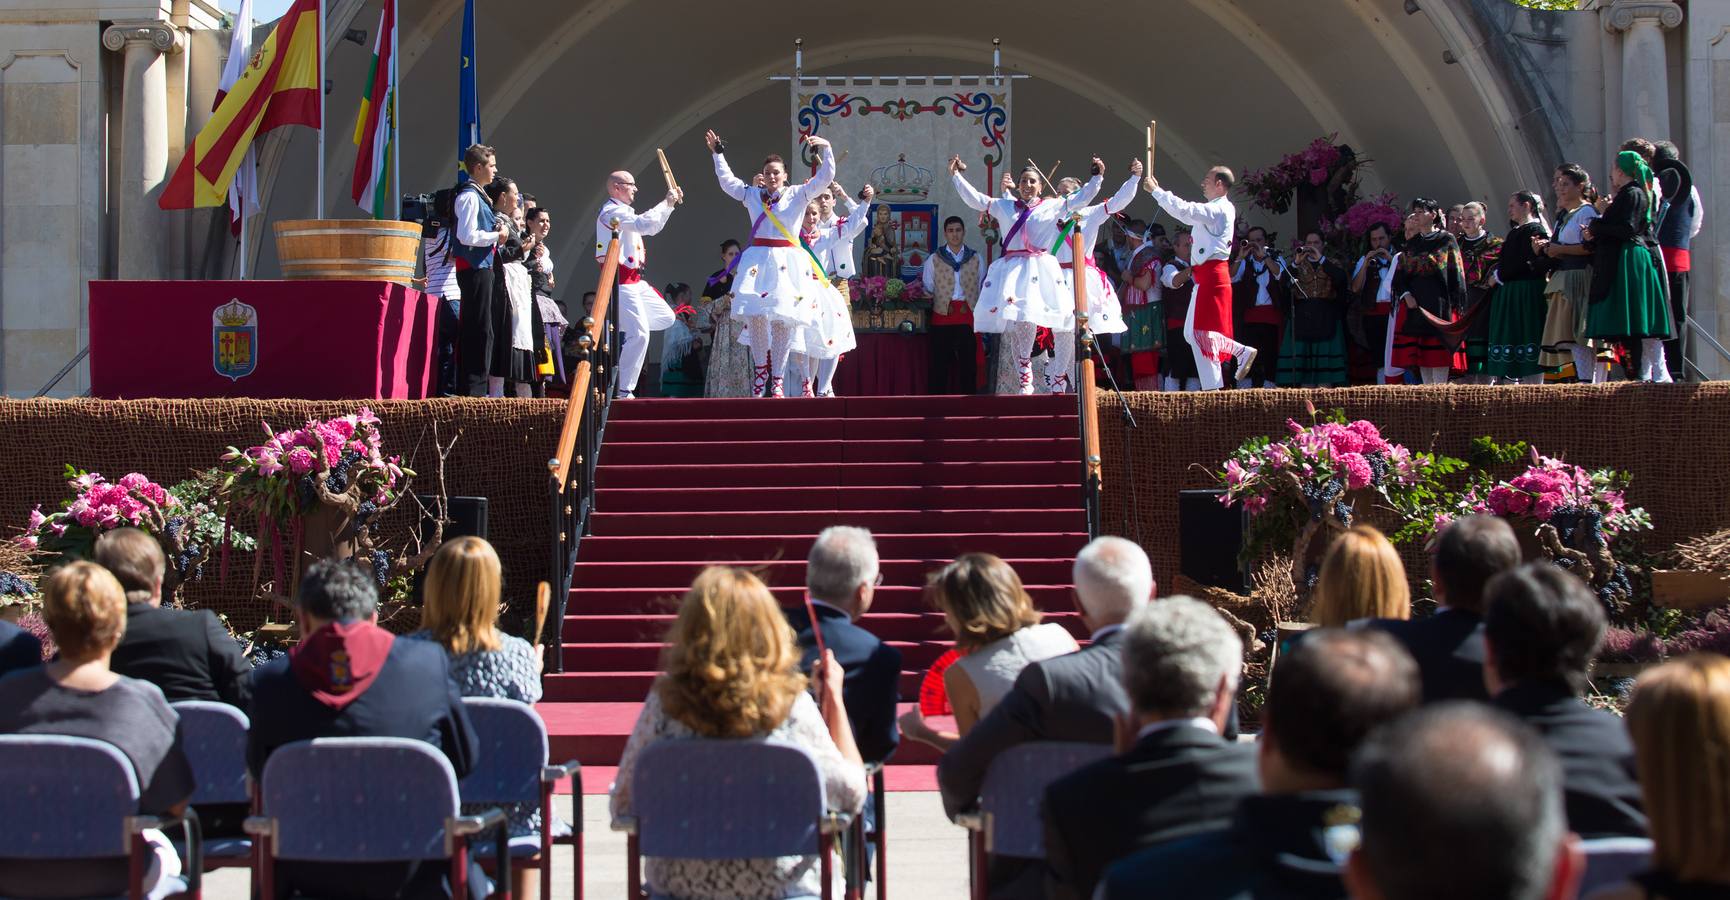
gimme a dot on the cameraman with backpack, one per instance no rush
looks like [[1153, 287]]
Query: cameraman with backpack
[[475, 235], [437, 233]]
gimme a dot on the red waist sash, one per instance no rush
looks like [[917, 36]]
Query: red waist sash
[[771, 242]]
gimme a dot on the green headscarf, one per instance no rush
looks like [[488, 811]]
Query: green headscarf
[[1634, 166]]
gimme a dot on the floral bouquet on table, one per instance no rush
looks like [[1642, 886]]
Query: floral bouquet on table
[[878, 292], [1299, 493]]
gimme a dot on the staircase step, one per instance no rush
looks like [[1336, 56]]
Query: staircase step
[[951, 474], [594, 733], [834, 450], [675, 576], [641, 656], [652, 601], [752, 548], [933, 521], [632, 687], [729, 498], [708, 431], [648, 628], [665, 409]]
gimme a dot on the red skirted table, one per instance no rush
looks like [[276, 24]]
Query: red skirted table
[[312, 340], [886, 364]]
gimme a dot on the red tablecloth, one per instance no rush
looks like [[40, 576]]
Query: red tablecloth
[[886, 364], [313, 340]]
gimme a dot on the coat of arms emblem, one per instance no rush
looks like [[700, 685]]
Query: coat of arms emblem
[[234, 340]]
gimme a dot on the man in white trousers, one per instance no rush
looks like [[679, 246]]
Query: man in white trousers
[[642, 309]]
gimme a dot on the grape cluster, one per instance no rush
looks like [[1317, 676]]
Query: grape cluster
[[366, 511], [11, 585], [381, 567], [337, 481], [1319, 497], [308, 490], [1378, 466], [265, 652], [174, 527]]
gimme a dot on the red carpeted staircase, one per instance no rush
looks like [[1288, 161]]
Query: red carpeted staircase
[[686, 483]]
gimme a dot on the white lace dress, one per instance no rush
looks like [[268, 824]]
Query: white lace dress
[[724, 879]]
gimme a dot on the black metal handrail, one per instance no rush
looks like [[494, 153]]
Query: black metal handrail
[[572, 468]]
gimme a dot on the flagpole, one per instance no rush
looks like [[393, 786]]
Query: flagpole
[[319, 209], [395, 116]]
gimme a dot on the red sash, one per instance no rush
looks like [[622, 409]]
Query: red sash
[[1212, 297], [771, 242]]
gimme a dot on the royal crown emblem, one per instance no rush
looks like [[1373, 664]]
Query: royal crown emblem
[[901, 180], [234, 340]]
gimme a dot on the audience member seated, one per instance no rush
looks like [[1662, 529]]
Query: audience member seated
[[731, 672], [19, 649], [78, 694], [1333, 690], [350, 678], [1542, 629], [841, 576], [997, 630], [1458, 801], [1449, 646], [1361, 577], [463, 584], [1680, 721], [187, 653], [1175, 776]]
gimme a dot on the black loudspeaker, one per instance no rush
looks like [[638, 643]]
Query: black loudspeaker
[[1210, 536], [468, 516]]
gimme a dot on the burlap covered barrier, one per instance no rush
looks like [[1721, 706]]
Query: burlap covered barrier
[[1673, 439], [501, 455]]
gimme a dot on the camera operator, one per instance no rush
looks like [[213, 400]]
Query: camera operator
[[1373, 287], [1313, 351], [477, 233], [1257, 297], [436, 212]]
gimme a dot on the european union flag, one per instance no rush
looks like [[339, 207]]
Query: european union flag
[[468, 104]]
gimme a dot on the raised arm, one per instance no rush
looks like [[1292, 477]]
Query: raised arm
[[730, 183], [858, 218], [965, 189], [1119, 201], [653, 220], [1195, 215], [1075, 202]]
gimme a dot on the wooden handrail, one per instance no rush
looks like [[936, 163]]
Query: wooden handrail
[[1089, 384], [560, 464]]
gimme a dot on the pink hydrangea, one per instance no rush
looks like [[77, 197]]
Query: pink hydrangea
[[1546, 504], [1357, 470], [300, 461], [1345, 441]]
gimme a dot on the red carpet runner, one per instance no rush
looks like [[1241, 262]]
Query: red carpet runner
[[686, 483]]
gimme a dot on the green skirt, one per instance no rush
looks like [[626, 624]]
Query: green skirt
[[1312, 362], [1635, 307], [1516, 314], [1146, 323]]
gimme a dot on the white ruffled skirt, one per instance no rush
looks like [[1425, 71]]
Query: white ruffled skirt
[[1104, 311], [1024, 289], [781, 283]]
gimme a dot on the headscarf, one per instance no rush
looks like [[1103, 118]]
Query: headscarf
[[1634, 166]]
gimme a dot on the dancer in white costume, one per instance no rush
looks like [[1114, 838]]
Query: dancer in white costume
[[1104, 311], [641, 308], [831, 242], [1024, 288], [778, 288]]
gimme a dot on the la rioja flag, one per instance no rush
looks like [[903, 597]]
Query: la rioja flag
[[375, 127]]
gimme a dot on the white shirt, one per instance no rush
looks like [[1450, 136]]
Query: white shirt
[[441, 270], [1210, 223], [1168, 275], [469, 234], [1385, 282], [834, 243], [1262, 297], [788, 204], [633, 227], [1094, 216], [1043, 221], [928, 275], [1205, 724]]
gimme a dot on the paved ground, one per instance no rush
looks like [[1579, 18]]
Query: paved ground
[[927, 855]]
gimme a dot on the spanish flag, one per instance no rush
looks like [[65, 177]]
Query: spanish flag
[[281, 86]]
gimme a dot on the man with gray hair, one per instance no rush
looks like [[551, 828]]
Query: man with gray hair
[[841, 576], [1175, 775]]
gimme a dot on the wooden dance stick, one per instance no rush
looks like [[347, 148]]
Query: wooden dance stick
[[543, 600], [666, 171], [1044, 177], [1151, 125]]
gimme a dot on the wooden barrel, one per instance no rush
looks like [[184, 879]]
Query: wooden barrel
[[348, 249]]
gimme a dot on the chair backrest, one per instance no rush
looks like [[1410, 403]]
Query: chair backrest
[[214, 738], [64, 797], [513, 751], [727, 799], [359, 799], [1610, 860], [1015, 786]]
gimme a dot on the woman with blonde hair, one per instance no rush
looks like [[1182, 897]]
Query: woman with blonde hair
[[998, 632], [731, 672], [1679, 719], [1361, 578]]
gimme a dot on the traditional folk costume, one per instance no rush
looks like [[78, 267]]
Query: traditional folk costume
[[729, 370], [1177, 363], [1024, 288], [1207, 325], [517, 335], [780, 288], [1258, 296], [1144, 314], [1375, 321], [1628, 301], [1568, 291], [681, 357], [1104, 310], [953, 283], [475, 254], [1478, 256], [1680, 217], [1313, 351], [822, 344], [1430, 270], [641, 308], [1517, 309]]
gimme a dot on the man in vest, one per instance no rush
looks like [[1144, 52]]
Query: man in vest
[[952, 277], [1680, 217], [642, 310], [478, 234]]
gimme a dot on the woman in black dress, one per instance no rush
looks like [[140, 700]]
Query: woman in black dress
[[1519, 308], [1429, 276]]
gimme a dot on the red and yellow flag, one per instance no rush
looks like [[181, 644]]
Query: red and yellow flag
[[281, 86]]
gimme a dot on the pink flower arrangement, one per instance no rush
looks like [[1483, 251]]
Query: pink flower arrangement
[[98, 505], [879, 292], [1272, 187], [1316, 464], [278, 476], [1548, 486]]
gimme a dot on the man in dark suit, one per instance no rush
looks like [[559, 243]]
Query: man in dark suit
[[841, 577], [1334, 688], [350, 678], [1175, 776], [19, 649], [187, 653], [1542, 629], [1449, 646]]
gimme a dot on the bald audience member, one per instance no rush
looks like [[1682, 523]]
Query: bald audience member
[[642, 310], [1459, 800]]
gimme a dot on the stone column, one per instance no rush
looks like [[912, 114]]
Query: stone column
[[143, 144], [1645, 71]]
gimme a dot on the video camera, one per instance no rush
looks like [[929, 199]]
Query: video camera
[[433, 211]]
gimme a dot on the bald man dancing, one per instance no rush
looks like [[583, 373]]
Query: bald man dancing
[[642, 309]]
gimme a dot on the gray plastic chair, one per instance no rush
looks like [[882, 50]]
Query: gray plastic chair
[[213, 736], [1611, 860], [1009, 820], [513, 769]]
